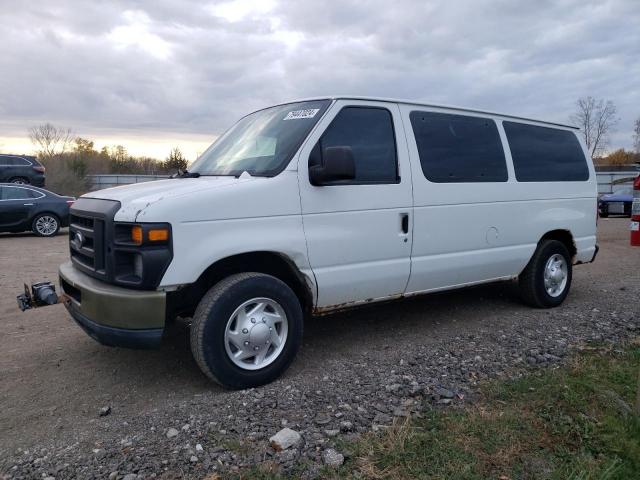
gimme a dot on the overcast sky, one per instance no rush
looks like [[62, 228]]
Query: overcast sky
[[154, 73]]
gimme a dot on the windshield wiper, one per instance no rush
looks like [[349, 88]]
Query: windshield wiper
[[185, 174]]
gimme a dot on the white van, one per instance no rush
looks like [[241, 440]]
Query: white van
[[317, 205]]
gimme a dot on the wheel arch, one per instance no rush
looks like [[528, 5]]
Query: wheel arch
[[22, 177], [565, 237], [45, 212], [184, 300]]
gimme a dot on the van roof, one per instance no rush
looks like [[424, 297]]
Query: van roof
[[433, 105]]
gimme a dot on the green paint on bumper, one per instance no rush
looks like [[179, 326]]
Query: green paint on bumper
[[112, 306]]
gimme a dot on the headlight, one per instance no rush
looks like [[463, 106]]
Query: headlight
[[141, 253], [143, 234]]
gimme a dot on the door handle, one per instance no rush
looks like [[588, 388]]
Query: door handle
[[28, 204], [404, 223]]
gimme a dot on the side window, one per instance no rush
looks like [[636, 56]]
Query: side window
[[7, 161], [34, 193], [15, 193], [458, 148], [543, 154], [369, 133]]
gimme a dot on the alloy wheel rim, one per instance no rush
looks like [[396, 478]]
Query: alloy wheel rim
[[256, 333], [556, 275], [46, 225]]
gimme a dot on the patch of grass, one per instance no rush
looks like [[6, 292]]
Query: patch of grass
[[236, 446], [575, 422]]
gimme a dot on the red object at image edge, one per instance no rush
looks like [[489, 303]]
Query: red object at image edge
[[635, 214]]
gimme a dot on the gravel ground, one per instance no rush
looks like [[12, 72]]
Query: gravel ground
[[70, 408]]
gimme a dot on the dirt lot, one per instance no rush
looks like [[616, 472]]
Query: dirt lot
[[355, 370]]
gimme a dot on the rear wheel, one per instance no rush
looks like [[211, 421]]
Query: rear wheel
[[246, 330], [545, 281], [45, 225], [19, 181]]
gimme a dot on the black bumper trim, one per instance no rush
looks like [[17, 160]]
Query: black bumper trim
[[116, 337]]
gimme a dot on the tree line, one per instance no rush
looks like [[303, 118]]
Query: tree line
[[69, 159]]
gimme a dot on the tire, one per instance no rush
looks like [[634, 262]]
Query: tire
[[20, 181], [219, 318], [45, 225], [533, 288]]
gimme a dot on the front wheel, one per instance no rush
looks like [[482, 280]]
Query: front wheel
[[45, 225], [545, 281], [246, 330]]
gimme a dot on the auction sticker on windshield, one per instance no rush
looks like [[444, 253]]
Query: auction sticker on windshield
[[296, 114]]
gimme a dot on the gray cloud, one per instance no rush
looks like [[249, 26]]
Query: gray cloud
[[156, 67]]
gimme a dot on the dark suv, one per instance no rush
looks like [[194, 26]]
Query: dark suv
[[22, 169]]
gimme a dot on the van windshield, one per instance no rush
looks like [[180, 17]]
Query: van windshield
[[263, 142]]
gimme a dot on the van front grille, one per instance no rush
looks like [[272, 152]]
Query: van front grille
[[87, 241], [90, 235]]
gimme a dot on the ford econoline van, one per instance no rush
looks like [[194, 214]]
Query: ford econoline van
[[323, 204]]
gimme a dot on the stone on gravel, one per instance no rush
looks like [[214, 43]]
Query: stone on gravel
[[382, 419], [130, 476], [104, 411], [172, 432], [284, 439], [199, 447], [331, 433], [322, 419], [113, 475], [332, 458], [444, 392], [346, 426]]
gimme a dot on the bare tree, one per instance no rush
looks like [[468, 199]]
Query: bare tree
[[636, 135], [50, 140], [597, 119]]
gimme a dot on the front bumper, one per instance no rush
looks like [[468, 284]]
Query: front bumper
[[111, 315]]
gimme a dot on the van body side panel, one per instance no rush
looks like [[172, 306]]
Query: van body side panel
[[467, 233], [262, 214]]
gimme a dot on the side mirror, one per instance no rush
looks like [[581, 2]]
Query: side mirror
[[338, 164]]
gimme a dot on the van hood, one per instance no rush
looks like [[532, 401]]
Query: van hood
[[136, 197]]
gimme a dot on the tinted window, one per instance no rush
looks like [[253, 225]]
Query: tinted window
[[457, 148], [542, 154], [15, 193], [369, 133], [13, 161]]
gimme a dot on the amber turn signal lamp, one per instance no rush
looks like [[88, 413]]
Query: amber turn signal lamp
[[158, 235], [136, 234]]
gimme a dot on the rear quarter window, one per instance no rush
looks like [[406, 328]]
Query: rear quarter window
[[543, 154]]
